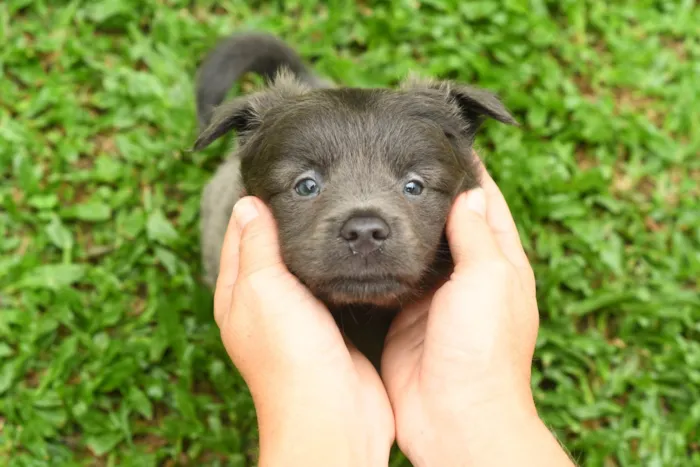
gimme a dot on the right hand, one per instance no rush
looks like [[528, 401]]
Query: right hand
[[457, 365], [318, 400]]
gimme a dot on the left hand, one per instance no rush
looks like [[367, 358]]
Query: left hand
[[318, 400], [457, 364]]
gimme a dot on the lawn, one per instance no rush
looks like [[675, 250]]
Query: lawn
[[108, 351]]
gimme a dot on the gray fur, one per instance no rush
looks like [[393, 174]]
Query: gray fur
[[218, 198], [362, 146]]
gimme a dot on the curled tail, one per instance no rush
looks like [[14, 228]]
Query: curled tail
[[237, 55]]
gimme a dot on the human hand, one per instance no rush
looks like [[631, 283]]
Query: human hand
[[318, 400], [457, 365]]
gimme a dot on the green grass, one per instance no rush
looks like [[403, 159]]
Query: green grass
[[108, 351]]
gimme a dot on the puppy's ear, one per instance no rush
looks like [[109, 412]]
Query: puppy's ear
[[237, 114], [246, 114], [477, 104], [472, 104]]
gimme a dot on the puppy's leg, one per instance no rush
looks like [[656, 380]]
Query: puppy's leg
[[218, 198]]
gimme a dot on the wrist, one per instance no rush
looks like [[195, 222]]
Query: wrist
[[513, 435], [468, 426], [320, 439], [326, 450], [308, 449], [471, 441]]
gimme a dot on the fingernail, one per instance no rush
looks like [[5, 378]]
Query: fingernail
[[245, 211], [476, 201]]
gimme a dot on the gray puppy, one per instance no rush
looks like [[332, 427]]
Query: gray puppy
[[360, 181]]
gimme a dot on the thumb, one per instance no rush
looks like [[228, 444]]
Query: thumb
[[470, 237], [274, 304], [259, 244]]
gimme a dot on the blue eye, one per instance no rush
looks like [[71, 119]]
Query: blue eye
[[307, 187], [413, 188]]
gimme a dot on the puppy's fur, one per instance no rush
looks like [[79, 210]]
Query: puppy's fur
[[365, 152]]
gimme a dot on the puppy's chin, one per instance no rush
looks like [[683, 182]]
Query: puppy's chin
[[381, 292]]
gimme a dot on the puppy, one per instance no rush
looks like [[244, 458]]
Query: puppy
[[360, 181]]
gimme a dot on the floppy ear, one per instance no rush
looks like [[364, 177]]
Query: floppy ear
[[473, 105], [237, 114], [245, 114], [478, 104]]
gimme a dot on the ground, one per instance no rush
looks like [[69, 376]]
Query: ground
[[108, 351]]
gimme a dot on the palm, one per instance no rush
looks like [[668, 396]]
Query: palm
[[372, 397], [404, 348]]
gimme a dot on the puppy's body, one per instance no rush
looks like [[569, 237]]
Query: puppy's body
[[360, 181]]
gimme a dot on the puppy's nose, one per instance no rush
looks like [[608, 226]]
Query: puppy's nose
[[365, 234]]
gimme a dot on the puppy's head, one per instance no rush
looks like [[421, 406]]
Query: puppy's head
[[360, 181]]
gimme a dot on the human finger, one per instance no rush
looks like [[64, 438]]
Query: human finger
[[500, 219], [470, 238], [228, 271], [259, 248]]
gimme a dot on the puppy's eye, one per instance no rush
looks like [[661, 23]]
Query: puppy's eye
[[307, 187], [413, 188]]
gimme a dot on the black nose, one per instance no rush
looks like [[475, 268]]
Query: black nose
[[365, 234]]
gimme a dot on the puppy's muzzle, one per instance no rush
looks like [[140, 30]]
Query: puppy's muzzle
[[365, 234]]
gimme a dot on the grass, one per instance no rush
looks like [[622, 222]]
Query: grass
[[108, 351]]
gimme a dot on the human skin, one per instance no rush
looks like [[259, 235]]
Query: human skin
[[457, 365], [455, 383], [318, 400]]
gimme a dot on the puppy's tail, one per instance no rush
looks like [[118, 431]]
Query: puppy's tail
[[239, 54]]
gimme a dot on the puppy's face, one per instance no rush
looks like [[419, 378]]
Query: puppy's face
[[360, 183]]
